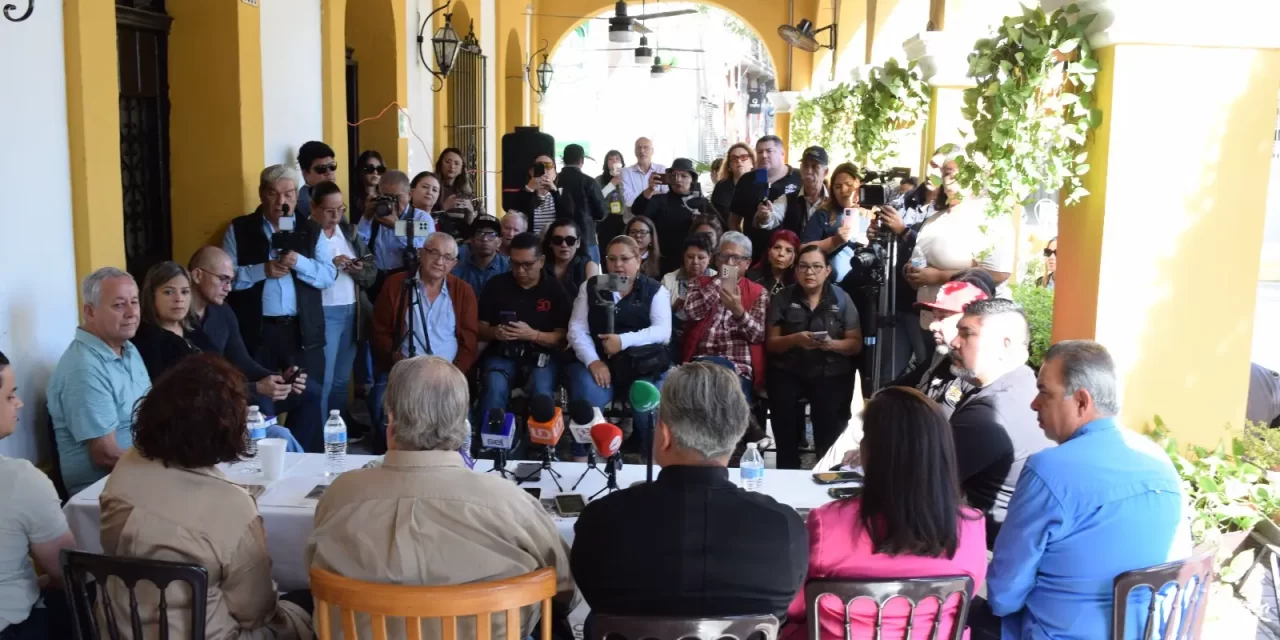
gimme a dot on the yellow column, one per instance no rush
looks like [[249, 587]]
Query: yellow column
[[93, 128], [215, 121], [1160, 263], [333, 72]]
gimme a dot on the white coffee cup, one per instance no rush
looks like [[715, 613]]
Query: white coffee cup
[[271, 454]]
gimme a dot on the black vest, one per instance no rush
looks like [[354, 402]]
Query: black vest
[[797, 317], [631, 313], [252, 247]]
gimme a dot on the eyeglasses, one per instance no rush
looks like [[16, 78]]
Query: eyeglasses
[[223, 281], [733, 258], [372, 168], [564, 241], [810, 268], [437, 256], [325, 168], [341, 211], [1049, 253], [740, 157], [638, 233], [626, 257], [517, 265]]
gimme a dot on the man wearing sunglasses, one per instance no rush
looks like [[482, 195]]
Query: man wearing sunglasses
[[481, 262], [316, 160]]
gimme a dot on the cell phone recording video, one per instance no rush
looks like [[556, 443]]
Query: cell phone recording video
[[539, 169], [297, 371]]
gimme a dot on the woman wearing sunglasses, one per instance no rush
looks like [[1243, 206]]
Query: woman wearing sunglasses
[[740, 159], [370, 169], [1050, 264], [567, 260]]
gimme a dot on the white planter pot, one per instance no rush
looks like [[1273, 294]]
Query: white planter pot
[[943, 57], [783, 101]]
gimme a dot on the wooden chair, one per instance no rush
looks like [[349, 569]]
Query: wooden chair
[[79, 566], [881, 592], [1191, 579], [413, 603], [607, 627]]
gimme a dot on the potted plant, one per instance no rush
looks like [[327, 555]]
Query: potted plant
[[892, 100]]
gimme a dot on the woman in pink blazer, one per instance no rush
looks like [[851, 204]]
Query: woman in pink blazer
[[909, 521]]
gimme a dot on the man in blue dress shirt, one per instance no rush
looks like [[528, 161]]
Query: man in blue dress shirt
[[281, 265], [1106, 500], [379, 232]]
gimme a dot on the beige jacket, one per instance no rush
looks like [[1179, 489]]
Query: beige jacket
[[195, 516], [424, 518]]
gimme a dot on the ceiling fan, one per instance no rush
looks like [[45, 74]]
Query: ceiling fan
[[645, 55], [622, 26]]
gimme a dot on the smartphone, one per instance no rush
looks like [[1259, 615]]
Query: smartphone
[[539, 169], [662, 178], [533, 491], [821, 336], [872, 195], [836, 477], [367, 256], [507, 317], [529, 471], [288, 379], [844, 492], [729, 275], [570, 504]]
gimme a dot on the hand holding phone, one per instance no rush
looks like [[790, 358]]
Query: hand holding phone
[[507, 317], [292, 375], [821, 336]]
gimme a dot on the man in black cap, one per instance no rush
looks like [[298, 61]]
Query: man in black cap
[[813, 189], [672, 212], [588, 199], [482, 261]]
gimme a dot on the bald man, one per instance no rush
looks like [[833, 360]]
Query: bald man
[[217, 331], [635, 178]]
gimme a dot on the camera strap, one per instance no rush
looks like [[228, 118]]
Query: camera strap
[[423, 311]]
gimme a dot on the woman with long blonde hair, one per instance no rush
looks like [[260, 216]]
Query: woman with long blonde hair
[[740, 159]]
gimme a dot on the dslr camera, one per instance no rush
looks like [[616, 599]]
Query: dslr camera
[[384, 206], [874, 191]]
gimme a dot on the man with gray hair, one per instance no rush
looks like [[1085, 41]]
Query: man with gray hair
[[282, 263], [725, 315], [994, 426], [423, 517], [691, 543], [378, 227], [98, 380], [1106, 500]]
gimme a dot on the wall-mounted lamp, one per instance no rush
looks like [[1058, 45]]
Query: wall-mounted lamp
[[543, 73], [444, 44], [9, 10]]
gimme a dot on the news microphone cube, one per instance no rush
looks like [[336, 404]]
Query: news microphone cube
[[287, 223]]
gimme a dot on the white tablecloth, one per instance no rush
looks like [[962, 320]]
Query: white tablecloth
[[288, 515]]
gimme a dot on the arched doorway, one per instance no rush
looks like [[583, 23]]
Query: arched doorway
[[376, 79]]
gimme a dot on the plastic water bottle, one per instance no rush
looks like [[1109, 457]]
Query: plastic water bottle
[[751, 468], [254, 431], [335, 444]]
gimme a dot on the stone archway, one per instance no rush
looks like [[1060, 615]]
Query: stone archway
[[375, 31]]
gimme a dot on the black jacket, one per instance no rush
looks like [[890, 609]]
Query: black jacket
[[722, 200], [995, 432], [525, 201], [588, 201], [691, 543], [747, 195], [252, 247], [160, 348], [673, 216]]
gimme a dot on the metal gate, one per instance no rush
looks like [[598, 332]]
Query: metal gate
[[142, 37], [466, 111]]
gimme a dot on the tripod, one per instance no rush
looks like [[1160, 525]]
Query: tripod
[[500, 464], [611, 477], [410, 298], [591, 465], [547, 459], [883, 301]]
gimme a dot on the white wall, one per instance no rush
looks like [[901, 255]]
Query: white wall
[[292, 111], [489, 44], [37, 289], [421, 105]]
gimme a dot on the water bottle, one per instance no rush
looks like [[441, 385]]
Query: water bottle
[[335, 444], [254, 431], [751, 468]]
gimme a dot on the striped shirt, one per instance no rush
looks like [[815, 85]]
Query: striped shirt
[[544, 214]]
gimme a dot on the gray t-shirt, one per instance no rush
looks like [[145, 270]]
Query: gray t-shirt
[[1264, 395], [30, 513]]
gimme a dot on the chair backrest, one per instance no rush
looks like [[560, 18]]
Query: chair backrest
[[413, 603], [604, 627], [56, 461], [912, 590], [1191, 579], [78, 566]]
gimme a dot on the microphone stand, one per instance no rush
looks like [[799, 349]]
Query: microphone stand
[[500, 463], [547, 459], [611, 476], [591, 464]]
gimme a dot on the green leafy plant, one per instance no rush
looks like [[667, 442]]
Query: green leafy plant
[[1032, 108], [803, 118], [888, 105], [1037, 303]]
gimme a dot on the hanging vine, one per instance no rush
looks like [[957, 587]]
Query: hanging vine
[[1032, 109], [889, 104]]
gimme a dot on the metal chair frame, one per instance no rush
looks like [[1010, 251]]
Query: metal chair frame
[[881, 592]]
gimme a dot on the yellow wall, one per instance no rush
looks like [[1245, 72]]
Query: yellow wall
[[93, 128], [851, 39], [1160, 264], [215, 123], [376, 29], [333, 72]]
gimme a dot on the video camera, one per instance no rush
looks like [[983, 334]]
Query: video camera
[[874, 191]]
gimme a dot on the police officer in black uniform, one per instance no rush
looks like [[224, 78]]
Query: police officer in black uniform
[[813, 336]]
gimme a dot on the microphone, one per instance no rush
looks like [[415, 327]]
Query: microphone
[[645, 397], [499, 430], [607, 439], [581, 416], [545, 422]]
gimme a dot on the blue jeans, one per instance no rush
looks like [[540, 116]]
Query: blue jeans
[[594, 252], [582, 386], [364, 363], [497, 374], [339, 357]]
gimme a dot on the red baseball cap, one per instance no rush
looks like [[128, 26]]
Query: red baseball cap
[[953, 297]]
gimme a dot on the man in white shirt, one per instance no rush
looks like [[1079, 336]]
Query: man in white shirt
[[622, 341], [635, 178]]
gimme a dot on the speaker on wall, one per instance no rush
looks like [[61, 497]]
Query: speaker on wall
[[519, 148]]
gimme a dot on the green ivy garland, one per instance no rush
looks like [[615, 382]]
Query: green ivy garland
[[889, 104], [1032, 109]]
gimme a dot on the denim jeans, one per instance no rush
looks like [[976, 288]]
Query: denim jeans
[[497, 374], [339, 357], [582, 386], [594, 252]]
